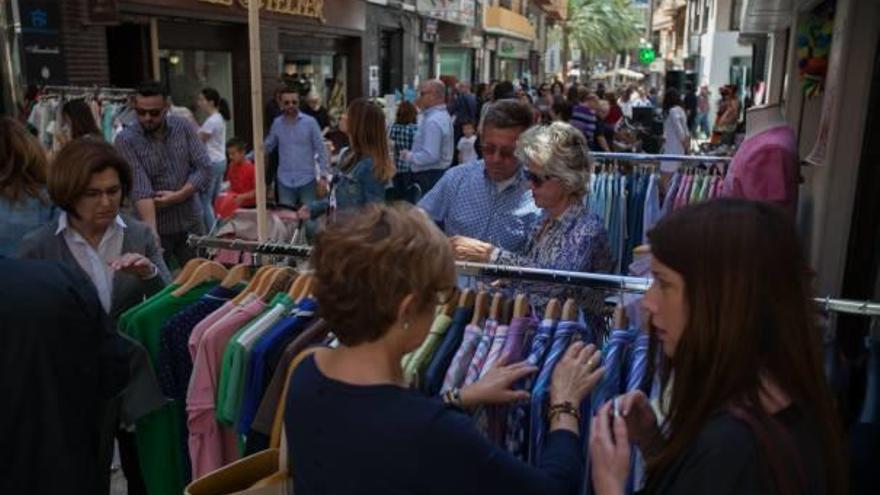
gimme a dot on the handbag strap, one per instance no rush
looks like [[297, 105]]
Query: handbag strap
[[778, 445], [276, 438]]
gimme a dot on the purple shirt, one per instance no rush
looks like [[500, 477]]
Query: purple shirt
[[765, 168]]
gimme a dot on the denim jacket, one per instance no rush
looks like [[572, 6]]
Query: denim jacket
[[352, 188], [20, 218]]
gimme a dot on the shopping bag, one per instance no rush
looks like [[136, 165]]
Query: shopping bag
[[225, 205]]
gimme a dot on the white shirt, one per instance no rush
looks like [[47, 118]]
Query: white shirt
[[96, 262], [466, 151], [675, 131], [215, 127]]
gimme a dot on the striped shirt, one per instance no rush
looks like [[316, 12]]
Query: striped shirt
[[167, 164], [401, 136], [584, 119]]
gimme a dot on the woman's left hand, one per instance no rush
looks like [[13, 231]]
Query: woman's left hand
[[495, 387], [135, 264], [467, 249], [609, 452]]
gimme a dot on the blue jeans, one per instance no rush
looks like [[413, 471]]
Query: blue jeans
[[296, 196], [218, 171]]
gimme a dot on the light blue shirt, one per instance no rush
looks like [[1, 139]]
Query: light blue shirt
[[300, 145], [433, 147], [468, 203]]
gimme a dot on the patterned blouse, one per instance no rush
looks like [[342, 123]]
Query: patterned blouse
[[576, 241], [402, 136]]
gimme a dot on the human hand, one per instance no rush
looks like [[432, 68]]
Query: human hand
[[494, 387], [304, 213], [135, 264], [609, 452], [641, 422], [576, 374], [239, 199], [164, 199], [467, 249]]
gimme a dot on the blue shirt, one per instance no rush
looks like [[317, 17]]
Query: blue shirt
[[467, 202], [442, 358], [388, 439], [298, 141], [433, 147], [20, 218]]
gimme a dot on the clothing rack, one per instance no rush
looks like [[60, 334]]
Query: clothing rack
[[645, 157], [593, 280]]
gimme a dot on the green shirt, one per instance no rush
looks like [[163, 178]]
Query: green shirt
[[416, 365], [159, 433]]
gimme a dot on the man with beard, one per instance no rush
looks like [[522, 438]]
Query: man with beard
[[169, 165]]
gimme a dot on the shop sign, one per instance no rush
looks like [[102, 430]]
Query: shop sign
[[460, 12], [429, 31], [305, 8], [510, 48], [41, 42], [102, 12]]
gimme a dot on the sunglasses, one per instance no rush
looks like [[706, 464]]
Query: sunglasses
[[153, 112], [491, 149], [537, 180]]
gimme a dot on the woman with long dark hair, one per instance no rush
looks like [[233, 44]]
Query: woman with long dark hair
[[78, 121], [744, 397], [213, 134]]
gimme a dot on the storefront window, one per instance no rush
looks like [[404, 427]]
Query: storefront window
[[322, 73], [187, 72], [425, 61], [456, 62]]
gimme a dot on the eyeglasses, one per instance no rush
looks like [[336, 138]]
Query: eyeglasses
[[97, 194], [289, 103], [491, 149], [152, 112], [537, 180], [444, 296]]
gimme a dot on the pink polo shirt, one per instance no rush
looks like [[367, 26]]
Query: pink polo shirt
[[765, 168], [212, 446]]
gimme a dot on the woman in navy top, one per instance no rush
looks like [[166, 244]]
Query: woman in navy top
[[352, 425]]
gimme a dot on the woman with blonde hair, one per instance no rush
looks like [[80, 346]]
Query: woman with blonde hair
[[24, 203], [364, 170]]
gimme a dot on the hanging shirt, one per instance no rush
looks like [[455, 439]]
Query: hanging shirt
[[495, 348], [467, 203], [215, 128], [482, 352], [442, 358], [462, 359], [415, 369]]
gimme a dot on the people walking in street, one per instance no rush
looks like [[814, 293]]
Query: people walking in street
[[213, 134], [433, 145], [24, 203], [690, 107], [677, 139], [464, 109], [583, 115], [489, 199], [402, 133], [703, 111], [170, 167], [302, 155], [466, 145], [364, 169], [614, 111], [314, 108]]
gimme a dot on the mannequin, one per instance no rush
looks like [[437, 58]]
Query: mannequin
[[765, 167]]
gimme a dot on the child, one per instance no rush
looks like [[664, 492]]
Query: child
[[241, 176], [466, 151]]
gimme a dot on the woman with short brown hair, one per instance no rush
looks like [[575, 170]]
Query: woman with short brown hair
[[24, 204], [379, 276]]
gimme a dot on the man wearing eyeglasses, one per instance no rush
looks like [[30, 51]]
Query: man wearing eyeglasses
[[489, 199], [432, 148], [300, 145], [169, 165]]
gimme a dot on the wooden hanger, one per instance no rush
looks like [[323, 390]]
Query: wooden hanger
[[307, 289], [275, 283], [569, 310], [495, 309], [449, 308], [507, 311], [235, 275], [210, 270], [297, 286], [554, 309], [642, 250], [481, 306], [521, 306], [256, 279], [266, 283], [188, 270], [467, 299]]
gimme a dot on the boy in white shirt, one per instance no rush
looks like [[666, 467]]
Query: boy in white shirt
[[466, 151]]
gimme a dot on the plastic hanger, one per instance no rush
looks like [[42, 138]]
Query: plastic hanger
[[188, 270], [521, 306], [210, 270], [570, 310], [235, 275], [553, 310], [481, 306]]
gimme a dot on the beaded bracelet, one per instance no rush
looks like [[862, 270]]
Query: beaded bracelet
[[452, 398], [563, 408]]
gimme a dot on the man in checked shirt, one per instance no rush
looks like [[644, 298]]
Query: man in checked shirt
[[169, 166]]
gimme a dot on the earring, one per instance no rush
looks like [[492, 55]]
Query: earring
[[406, 326]]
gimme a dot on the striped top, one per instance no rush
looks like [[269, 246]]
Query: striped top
[[167, 162]]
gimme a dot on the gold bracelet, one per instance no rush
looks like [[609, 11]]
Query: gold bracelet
[[564, 408]]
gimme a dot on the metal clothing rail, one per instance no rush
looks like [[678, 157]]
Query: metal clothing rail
[[645, 157], [593, 280]]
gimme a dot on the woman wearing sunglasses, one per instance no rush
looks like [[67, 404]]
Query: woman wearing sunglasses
[[567, 236]]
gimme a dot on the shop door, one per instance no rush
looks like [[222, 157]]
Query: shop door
[[391, 57], [128, 54]]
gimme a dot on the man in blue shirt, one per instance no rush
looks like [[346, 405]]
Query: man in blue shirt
[[489, 199], [432, 148], [300, 145]]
